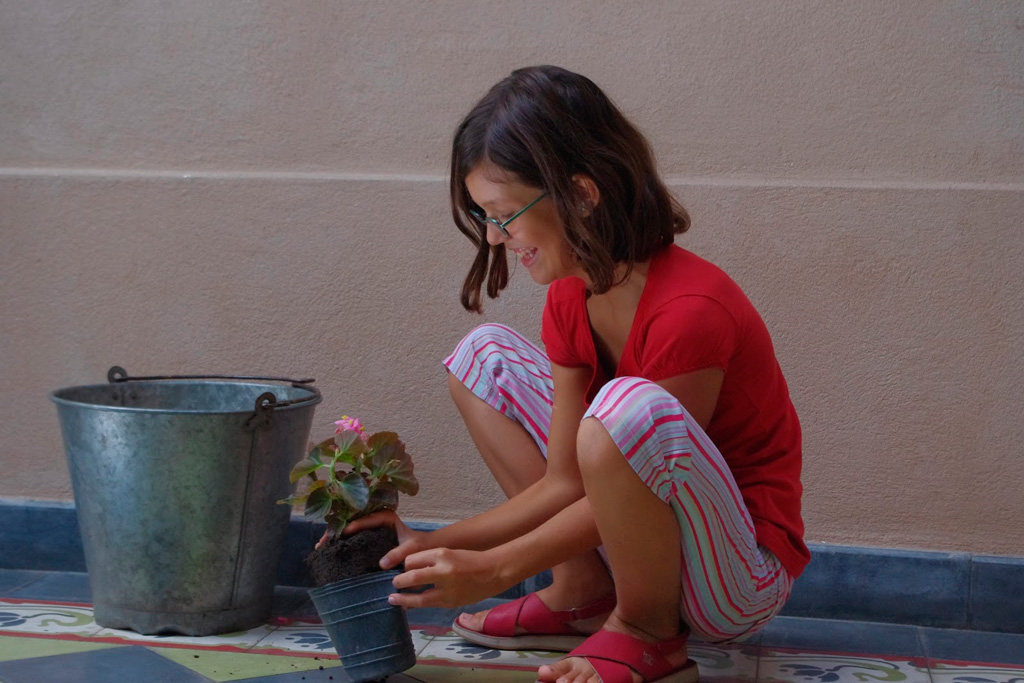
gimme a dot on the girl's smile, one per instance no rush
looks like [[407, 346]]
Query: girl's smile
[[536, 236], [526, 255]]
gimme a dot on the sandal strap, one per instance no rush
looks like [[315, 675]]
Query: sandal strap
[[647, 659], [594, 609], [534, 617], [501, 621]]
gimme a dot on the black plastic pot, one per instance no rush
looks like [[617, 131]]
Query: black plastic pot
[[371, 635]]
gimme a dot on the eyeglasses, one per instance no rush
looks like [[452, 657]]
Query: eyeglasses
[[498, 224]]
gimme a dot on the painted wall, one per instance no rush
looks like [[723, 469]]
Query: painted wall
[[259, 187]]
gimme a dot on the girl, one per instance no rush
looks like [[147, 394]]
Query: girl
[[650, 453]]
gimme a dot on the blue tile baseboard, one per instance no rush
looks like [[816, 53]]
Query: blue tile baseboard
[[40, 535], [868, 584], [944, 590]]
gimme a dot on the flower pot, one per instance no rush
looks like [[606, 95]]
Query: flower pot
[[371, 635]]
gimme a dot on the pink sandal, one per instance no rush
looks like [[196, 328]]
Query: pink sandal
[[543, 628], [615, 656]]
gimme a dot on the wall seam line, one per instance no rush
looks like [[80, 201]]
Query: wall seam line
[[754, 182]]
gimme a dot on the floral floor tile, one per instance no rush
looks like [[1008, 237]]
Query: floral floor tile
[[725, 663], [953, 672], [288, 649], [308, 638], [52, 618], [440, 671], [311, 639], [449, 647], [239, 641], [718, 664], [838, 668], [421, 638]]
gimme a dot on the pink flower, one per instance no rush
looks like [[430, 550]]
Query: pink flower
[[352, 424]]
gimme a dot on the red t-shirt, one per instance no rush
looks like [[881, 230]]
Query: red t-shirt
[[692, 316]]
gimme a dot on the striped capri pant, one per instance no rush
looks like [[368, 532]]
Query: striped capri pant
[[730, 585]]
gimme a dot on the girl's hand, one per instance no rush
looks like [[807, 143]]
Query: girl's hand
[[459, 577], [409, 541]]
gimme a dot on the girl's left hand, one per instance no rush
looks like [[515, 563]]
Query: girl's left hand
[[459, 577]]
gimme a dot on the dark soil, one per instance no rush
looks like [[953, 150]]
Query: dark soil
[[345, 557]]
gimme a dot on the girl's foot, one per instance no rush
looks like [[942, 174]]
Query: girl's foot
[[579, 670]]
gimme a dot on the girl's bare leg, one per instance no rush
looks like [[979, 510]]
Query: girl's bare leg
[[516, 463], [639, 532]]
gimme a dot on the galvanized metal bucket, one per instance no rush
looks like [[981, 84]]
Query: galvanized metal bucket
[[176, 482]]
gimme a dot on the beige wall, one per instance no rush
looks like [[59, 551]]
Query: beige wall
[[260, 187]]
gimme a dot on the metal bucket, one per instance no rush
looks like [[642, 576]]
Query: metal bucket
[[176, 483]]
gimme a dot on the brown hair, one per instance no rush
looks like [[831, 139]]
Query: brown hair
[[543, 125]]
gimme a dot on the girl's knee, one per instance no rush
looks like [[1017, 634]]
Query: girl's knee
[[485, 346], [480, 353], [630, 396], [487, 333], [648, 427], [595, 447]]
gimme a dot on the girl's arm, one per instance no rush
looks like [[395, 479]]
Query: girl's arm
[[462, 577], [697, 391], [560, 486]]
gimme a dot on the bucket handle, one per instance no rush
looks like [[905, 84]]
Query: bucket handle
[[265, 403], [118, 374]]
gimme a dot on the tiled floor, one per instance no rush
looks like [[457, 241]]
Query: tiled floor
[[47, 633]]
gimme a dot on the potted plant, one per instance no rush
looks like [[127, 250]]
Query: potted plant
[[354, 474]]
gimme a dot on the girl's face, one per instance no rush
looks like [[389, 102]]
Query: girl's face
[[536, 237]]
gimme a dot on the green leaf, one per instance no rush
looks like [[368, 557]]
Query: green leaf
[[318, 504], [381, 438], [383, 455], [350, 443], [383, 497], [293, 499], [316, 454], [352, 489], [392, 461], [325, 449], [338, 519], [400, 472], [347, 458], [302, 468]]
